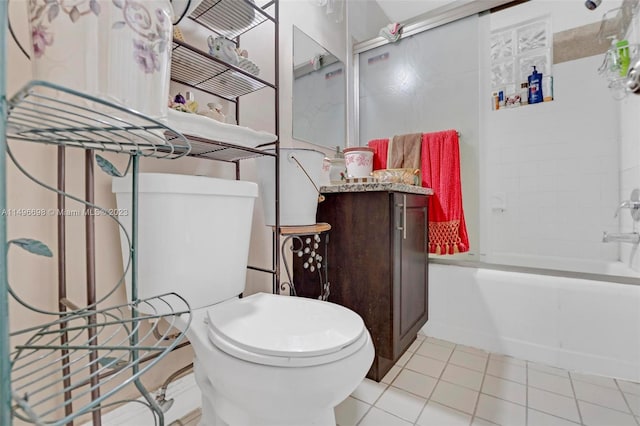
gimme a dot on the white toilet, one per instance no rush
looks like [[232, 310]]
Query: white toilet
[[259, 360]]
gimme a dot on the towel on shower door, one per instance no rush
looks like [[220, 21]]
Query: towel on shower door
[[404, 151], [380, 148], [441, 172]]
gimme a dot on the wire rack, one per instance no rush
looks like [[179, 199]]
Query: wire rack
[[47, 113], [230, 18], [196, 68], [38, 367]]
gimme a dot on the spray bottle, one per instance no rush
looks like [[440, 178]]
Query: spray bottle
[[535, 87]]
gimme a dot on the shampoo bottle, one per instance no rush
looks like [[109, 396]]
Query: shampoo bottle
[[535, 87]]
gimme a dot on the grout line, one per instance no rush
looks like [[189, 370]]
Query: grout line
[[624, 396], [437, 381], [575, 399], [526, 393], [484, 375], [552, 415]]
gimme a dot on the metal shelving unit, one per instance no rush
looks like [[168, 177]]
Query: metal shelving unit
[[55, 372], [60, 369]]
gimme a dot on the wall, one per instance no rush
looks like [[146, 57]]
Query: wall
[[629, 111], [555, 163]]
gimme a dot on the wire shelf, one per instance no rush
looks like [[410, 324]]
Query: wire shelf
[[195, 68], [38, 366], [222, 151], [230, 18], [47, 113]]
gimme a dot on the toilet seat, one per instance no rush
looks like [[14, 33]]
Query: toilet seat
[[285, 331]]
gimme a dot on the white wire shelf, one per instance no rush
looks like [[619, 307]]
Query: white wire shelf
[[47, 113], [231, 18], [99, 351]]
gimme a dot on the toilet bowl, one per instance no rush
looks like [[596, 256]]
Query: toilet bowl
[[259, 360]]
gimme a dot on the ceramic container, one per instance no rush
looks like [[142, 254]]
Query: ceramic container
[[223, 48], [118, 50], [359, 161], [325, 176], [337, 171]]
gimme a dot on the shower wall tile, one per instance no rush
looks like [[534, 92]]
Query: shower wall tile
[[555, 168]]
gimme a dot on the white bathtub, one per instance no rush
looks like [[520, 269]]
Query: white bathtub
[[577, 324]]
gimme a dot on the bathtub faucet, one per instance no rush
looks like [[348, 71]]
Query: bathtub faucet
[[621, 237], [633, 205]]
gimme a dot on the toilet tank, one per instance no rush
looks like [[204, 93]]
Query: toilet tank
[[193, 235]]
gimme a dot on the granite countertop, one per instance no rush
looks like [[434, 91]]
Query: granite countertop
[[375, 186]]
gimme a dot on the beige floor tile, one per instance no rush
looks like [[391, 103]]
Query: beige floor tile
[[507, 370], [402, 361], [500, 411], [414, 346], [401, 404], [437, 414], [508, 359], [537, 418], [550, 382], [553, 403], [378, 417], [454, 396], [350, 411], [464, 359], [594, 380], [634, 402], [477, 421], [429, 366], [434, 351], [473, 351], [505, 389], [369, 391], [462, 376], [629, 387], [441, 342], [391, 374], [415, 383], [610, 398], [548, 369], [596, 415]]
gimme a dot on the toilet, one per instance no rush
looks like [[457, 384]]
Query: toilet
[[260, 360]]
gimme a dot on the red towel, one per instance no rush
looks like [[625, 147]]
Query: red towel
[[380, 148], [441, 172]]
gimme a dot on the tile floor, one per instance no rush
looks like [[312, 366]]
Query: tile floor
[[439, 383]]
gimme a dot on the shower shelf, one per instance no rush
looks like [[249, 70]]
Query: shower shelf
[[37, 392]]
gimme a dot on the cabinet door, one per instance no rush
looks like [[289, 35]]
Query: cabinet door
[[411, 238]]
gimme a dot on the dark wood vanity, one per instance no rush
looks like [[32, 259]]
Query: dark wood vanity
[[377, 263]]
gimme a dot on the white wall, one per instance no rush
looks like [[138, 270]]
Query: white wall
[[629, 111]]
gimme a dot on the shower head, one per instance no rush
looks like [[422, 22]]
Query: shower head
[[592, 4]]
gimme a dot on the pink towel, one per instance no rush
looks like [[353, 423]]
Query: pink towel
[[441, 172], [380, 150]]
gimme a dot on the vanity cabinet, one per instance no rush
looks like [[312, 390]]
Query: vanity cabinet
[[378, 266]]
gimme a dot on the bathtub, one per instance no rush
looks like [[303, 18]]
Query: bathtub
[[579, 324]]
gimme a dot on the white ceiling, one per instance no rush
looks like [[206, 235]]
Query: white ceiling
[[401, 10]]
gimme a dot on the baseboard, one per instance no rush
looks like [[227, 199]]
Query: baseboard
[[183, 391], [555, 356]]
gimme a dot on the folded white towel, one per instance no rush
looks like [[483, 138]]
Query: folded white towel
[[205, 127]]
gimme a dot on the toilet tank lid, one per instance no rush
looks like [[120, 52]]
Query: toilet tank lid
[[185, 184]]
